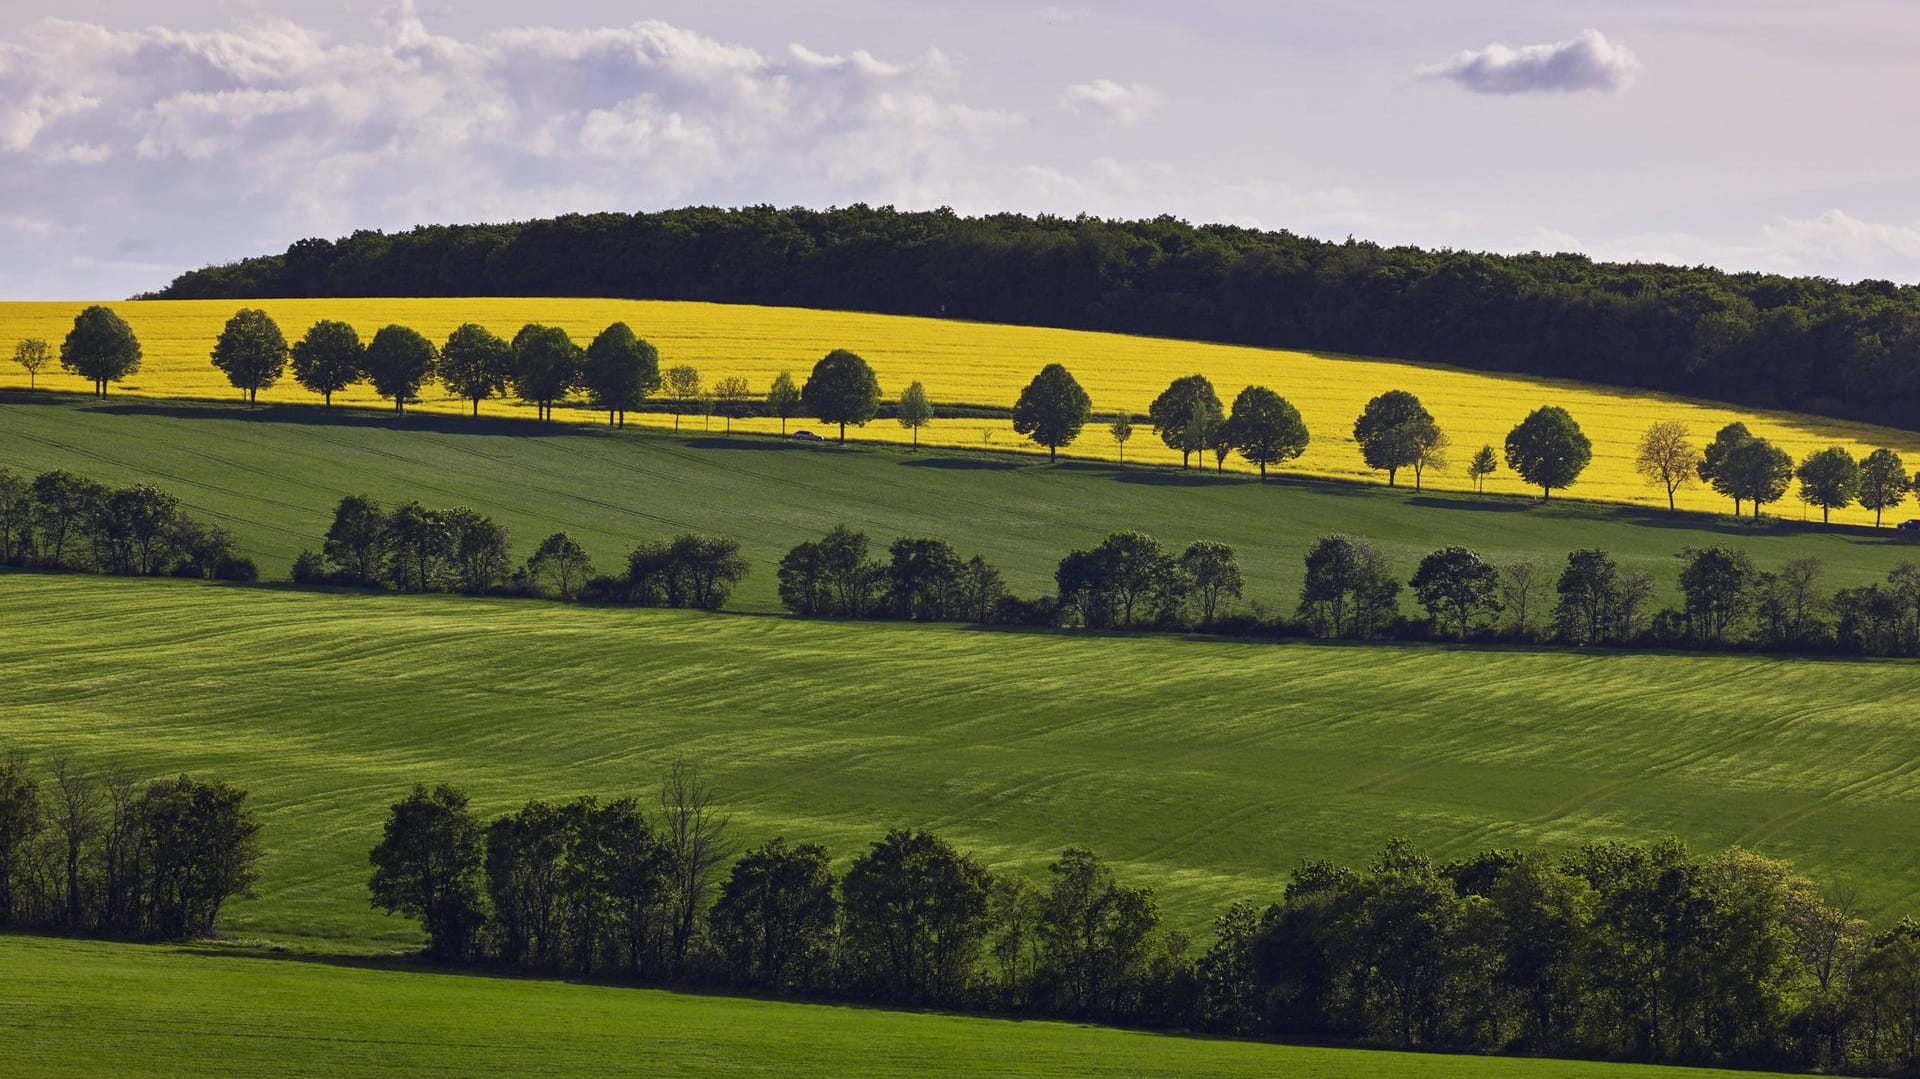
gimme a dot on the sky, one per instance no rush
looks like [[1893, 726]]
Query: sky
[[140, 138]]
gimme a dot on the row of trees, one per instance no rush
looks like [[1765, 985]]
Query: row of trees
[[106, 853], [1762, 339], [1127, 581], [921, 580], [619, 371], [542, 366], [1618, 951], [1351, 590], [414, 548], [58, 520]]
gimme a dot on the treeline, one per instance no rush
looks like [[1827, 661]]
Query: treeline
[[617, 371], [1617, 951], [415, 548], [1351, 591], [61, 521], [620, 372], [1761, 339], [1128, 581], [110, 855]]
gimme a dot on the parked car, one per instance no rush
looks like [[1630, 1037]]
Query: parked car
[[809, 436], [1909, 528]]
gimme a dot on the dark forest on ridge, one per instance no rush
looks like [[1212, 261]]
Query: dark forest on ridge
[[1759, 339]]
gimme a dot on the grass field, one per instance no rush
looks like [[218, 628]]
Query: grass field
[[981, 364], [100, 1009], [274, 474], [1206, 769]]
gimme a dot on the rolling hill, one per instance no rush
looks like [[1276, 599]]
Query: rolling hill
[[986, 365], [1206, 769], [101, 1009], [273, 475]]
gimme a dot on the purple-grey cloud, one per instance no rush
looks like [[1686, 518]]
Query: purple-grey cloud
[[1586, 61]]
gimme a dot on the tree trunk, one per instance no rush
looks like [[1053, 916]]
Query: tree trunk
[[1391, 473], [1263, 470], [1052, 451], [1670, 500], [1545, 492], [843, 433]]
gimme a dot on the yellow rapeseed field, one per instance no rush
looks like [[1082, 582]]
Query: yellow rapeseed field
[[974, 363]]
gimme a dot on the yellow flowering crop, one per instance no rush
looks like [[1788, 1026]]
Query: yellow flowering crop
[[972, 363]]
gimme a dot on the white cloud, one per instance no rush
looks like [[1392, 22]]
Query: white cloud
[[1122, 103], [215, 144], [1586, 61]]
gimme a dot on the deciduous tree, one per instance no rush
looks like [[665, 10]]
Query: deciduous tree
[[1348, 591], [1120, 430], [428, 864], [1052, 409], [1485, 463], [328, 359], [1714, 465], [733, 393], [1883, 482], [1265, 428], [783, 398], [399, 361], [1830, 479], [100, 348], [1667, 458], [915, 916], [1183, 414], [1548, 450], [33, 354], [546, 366], [475, 364], [775, 917], [560, 566], [1456, 585], [1212, 576], [1391, 431], [683, 386], [843, 390], [251, 351], [619, 371], [358, 540], [914, 411]]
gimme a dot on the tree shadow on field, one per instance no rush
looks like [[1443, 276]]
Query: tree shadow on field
[[747, 442], [341, 416], [961, 464], [20, 395], [416, 963], [1490, 506], [1157, 477], [1766, 527]]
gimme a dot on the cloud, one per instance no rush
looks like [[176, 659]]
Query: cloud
[[1127, 103], [1586, 61], [1832, 244], [209, 145]]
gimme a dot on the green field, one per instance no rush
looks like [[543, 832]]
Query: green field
[[101, 1009], [1204, 768], [272, 475]]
